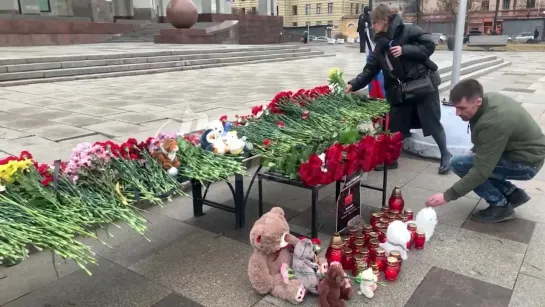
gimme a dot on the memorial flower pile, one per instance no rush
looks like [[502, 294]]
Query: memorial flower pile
[[314, 135]]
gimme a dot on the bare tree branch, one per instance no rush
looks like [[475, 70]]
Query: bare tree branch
[[450, 7]]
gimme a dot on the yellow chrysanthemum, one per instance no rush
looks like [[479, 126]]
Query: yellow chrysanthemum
[[10, 169], [333, 72]]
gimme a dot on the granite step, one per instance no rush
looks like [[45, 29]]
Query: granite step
[[105, 56], [471, 68], [40, 68], [140, 60], [236, 61]]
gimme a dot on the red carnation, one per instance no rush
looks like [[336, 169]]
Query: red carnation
[[280, 124], [257, 109], [316, 241], [223, 118], [266, 142]]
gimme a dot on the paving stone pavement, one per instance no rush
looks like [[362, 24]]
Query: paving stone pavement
[[203, 261]]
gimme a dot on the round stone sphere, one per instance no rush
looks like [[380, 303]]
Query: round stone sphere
[[182, 14]]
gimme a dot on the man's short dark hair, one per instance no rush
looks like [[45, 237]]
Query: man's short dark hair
[[469, 89]]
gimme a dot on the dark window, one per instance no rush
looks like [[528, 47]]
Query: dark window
[[294, 9], [44, 5], [506, 4]]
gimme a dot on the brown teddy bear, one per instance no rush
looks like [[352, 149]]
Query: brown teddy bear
[[273, 246], [335, 288]]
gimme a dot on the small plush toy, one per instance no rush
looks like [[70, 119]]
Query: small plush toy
[[304, 265], [166, 156], [335, 288], [368, 283], [271, 239], [234, 144], [217, 126], [397, 237], [426, 220]]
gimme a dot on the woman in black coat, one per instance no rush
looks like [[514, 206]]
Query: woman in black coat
[[403, 53]]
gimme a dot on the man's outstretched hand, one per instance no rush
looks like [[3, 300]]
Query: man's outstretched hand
[[348, 88], [436, 200]]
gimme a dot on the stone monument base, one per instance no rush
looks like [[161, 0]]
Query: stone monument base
[[244, 29], [458, 137]]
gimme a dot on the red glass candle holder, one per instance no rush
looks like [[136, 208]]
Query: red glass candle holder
[[348, 259], [412, 228], [373, 236], [392, 269], [396, 201], [361, 237], [352, 236], [410, 214], [380, 259], [377, 226], [394, 212], [420, 240], [381, 235], [358, 246], [403, 218], [358, 260], [365, 255], [336, 255], [373, 245], [375, 218], [346, 241], [377, 274], [374, 266], [396, 255], [384, 210]]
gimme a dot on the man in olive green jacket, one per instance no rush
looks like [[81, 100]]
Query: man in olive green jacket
[[508, 144]]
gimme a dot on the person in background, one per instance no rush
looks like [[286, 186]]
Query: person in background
[[536, 35], [411, 79], [364, 23], [507, 145], [305, 37]]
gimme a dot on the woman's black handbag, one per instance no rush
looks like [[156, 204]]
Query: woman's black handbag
[[414, 88]]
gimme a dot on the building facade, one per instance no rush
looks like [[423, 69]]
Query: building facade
[[103, 10], [334, 16]]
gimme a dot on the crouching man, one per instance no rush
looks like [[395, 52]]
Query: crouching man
[[508, 145]]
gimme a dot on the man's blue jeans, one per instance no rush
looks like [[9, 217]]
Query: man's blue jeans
[[496, 187]]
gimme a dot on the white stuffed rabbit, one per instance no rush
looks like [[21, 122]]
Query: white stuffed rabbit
[[397, 237], [426, 220]]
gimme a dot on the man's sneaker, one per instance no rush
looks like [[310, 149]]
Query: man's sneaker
[[494, 214], [444, 167], [380, 167], [518, 197]]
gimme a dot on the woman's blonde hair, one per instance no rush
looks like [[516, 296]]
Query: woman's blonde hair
[[383, 12]]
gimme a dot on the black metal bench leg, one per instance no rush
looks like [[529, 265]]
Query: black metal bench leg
[[260, 196], [384, 186], [239, 202], [314, 229], [337, 190], [196, 189]]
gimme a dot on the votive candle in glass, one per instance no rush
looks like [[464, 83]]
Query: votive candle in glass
[[420, 240], [348, 259], [375, 218], [412, 228], [396, 255], [358, 260], [365, 254], [380, 259], [410, 214], [392, 269], [358, 245]]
